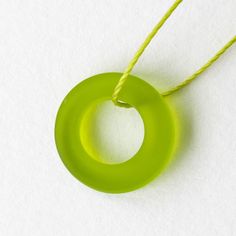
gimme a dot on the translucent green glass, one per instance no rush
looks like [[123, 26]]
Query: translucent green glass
[[154, 154]]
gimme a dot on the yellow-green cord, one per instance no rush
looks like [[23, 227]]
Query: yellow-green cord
[[202, 69], [137, 55]]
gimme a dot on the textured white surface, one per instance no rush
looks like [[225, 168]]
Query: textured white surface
[[46, 47]]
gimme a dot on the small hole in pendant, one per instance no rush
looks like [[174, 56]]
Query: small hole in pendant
[[112, 134]]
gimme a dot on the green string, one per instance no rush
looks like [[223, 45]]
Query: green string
[[202, 69], [140, 51]]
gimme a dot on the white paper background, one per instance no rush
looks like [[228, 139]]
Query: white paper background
[[47, 47]]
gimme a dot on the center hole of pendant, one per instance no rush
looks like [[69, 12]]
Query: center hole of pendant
[[112, 134]]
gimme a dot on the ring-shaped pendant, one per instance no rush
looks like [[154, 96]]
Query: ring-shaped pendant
[[152, 157]]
